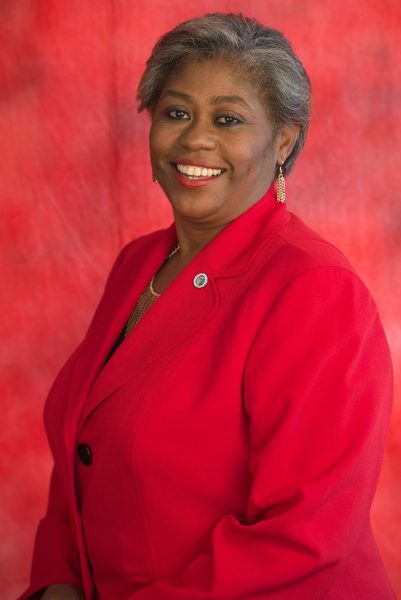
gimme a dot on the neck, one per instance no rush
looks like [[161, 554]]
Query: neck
[[193, 237], [193, 233]]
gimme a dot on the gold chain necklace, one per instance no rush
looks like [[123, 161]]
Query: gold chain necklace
[[145, 301], [174, 250], [151, 288]]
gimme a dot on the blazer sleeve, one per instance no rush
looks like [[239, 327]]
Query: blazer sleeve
[[317, 391], [55, 555]]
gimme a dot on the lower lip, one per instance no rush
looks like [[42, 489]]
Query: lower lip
[[194, 183]]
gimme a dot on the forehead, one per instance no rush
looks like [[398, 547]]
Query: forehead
[[209, 78]]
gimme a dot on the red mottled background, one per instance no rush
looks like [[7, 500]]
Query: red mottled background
[[75, 185]]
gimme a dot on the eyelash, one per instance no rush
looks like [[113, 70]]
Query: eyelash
[[234, 120]]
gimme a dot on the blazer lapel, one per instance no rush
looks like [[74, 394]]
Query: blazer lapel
[[176, 315], [120, 296]]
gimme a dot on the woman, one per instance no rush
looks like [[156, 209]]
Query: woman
[[219, 432]]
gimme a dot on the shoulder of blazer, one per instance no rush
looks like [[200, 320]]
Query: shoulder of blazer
[[298, 251], [308, 248]]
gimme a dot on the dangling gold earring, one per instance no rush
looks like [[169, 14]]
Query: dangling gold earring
[[280, 185], [154, 179]]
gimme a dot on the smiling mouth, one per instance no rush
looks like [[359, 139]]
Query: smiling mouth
[[196, 172]]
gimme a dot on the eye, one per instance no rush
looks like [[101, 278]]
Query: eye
[[177, 114], [228, 120]]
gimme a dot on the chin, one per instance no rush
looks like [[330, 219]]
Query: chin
[[192, 208]]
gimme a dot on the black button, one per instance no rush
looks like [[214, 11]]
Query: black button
[[85, 454]]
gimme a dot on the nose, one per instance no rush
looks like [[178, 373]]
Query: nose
[[198, 135]]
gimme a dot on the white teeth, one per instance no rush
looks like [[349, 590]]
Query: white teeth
[[198, 171]]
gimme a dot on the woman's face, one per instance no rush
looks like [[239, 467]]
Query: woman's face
[[211, 142]]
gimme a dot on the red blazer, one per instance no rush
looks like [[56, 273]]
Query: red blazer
[[231, 446]]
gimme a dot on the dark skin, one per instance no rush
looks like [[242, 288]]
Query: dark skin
[[208, 113]]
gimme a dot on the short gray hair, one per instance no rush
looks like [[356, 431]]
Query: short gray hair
[[263, 53]]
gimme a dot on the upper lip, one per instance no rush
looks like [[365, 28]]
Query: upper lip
[[196, 163]]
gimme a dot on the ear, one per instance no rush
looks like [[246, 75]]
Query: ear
[[287, 138]]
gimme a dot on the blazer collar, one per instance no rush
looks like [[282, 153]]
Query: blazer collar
[[230, 252]]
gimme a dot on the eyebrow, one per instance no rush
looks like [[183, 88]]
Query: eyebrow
[[214, 100]]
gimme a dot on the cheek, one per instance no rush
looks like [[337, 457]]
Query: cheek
[[265, 153], [159, 141], [254, 156], [153, 141], [156, 134]]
